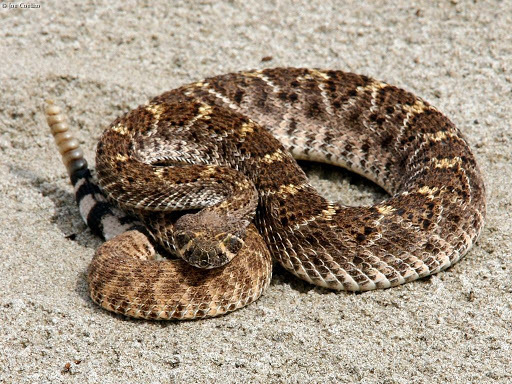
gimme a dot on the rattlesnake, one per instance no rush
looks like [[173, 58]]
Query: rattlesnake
[[206, 172]]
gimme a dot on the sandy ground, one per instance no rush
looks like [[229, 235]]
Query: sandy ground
[[101, 60]]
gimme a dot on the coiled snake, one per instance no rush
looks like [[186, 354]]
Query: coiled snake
[[206, 172]]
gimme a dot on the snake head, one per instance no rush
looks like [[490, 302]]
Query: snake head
[[206, 240]]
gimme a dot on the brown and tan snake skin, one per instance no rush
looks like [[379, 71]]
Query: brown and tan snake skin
[[208, 169]]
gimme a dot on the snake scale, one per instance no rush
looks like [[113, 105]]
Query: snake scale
[[207, 172]]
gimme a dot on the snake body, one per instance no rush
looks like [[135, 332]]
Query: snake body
[[207, 172]]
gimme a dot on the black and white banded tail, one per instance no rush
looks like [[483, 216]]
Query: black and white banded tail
[[101, 217]]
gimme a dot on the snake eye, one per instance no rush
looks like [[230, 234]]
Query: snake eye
[[182, 239], [233, 244]]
